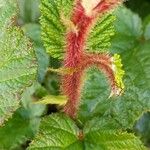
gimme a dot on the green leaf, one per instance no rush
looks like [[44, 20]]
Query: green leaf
[[142, 128], [128, 108], [28, 109], [14, 132], [28, 11], [7, 12], [17, 70], [57, 132], [95, 96], [135, 57], [17, 62], [123, 23], [17, 131], [128, 28], [103, 134], [53, 30], [33, 31], [100, 38], [24, 123]]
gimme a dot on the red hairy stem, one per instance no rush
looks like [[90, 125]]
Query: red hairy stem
[[103, 62], [71, 84], [75, 57]]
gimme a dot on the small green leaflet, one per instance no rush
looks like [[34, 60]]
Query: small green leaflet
[[100, 38], [53, 30]]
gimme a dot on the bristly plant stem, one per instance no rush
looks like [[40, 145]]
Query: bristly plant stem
[[82, 20]]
